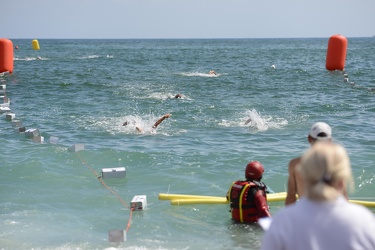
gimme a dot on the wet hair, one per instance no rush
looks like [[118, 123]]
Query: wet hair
[[324, 167]]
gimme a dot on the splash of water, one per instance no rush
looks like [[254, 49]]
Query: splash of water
[[262, 123]]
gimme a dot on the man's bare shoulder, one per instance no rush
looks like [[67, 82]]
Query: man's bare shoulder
[[293, 163]]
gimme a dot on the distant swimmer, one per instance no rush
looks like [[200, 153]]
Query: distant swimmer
[[178, 96], [38, 58], [212, 72], [127, 123], [156, 124]]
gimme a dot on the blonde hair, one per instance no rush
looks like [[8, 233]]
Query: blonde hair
[[326, 169]]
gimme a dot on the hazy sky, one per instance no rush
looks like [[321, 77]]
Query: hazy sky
[[38, 19]]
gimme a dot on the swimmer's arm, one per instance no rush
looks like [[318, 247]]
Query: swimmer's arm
[[161, 120], [248, 120]]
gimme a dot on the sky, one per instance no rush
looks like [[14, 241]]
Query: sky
[[157, 19]]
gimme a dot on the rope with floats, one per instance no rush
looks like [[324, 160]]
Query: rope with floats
[[99, 177]]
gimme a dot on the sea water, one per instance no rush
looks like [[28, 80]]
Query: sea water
[[82, 91]]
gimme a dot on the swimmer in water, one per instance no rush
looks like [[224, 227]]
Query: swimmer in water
[[212, 72], [156, 124], [178, 96]]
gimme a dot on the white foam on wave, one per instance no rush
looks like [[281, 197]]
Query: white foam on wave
[[89, 57], [160, 96], [199, 74], [30, 59], [165, 96]]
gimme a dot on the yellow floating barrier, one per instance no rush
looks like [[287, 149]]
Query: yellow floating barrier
[[364, 203], [219, 200], [276, 197], [272, 197], [185, 196], [185, 199]]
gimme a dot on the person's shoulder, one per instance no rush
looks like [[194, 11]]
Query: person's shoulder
[[360, 210], [293, 162], [241, 181], [360, 217]]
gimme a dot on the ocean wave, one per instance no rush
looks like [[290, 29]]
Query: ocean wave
[[200, 74]]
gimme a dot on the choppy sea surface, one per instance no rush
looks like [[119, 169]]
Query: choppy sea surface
[[82, 91]]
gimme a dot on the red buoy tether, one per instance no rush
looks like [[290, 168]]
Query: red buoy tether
[[336, 52], [6, 55]]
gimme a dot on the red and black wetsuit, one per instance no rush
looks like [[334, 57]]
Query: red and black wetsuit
[[248, 201]]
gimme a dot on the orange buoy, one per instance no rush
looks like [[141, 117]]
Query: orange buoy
[[336, 52], [6, 55]]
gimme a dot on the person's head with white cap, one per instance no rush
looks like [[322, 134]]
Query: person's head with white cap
[[320, 131]]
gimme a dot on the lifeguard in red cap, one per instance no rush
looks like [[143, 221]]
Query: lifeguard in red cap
[[248, 199]]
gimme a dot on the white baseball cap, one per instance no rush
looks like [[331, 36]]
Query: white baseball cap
[[320, 131]]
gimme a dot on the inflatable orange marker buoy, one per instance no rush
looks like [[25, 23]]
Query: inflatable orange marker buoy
[[336, 52], [6, 55]]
